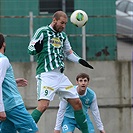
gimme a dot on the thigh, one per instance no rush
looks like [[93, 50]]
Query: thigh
[[75, 103], [68, 125], [66, 88], [46, 86], [22, 120], [7, 127]]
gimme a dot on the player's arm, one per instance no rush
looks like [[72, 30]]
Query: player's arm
[[72, 56], [21, 82], [96, 115], [60, 115], [36, 43], [75, 58], [4, 64], [2, 110]]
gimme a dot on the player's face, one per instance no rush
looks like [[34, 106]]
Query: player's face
[[60, 24], [82, 84]]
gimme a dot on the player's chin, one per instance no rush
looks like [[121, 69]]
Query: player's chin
[[60, 30], [83, 88]]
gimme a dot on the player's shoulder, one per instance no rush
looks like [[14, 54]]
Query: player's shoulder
[[42, 29], [4, 61], [64, 34], [90, 90], [3, 57]]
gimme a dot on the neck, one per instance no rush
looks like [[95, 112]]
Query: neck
[[2, 51]]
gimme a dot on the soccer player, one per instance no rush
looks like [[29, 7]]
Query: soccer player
[[13, 114], [65, 115], [50, 45]]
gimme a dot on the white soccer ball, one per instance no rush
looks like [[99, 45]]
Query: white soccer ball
[[79, 18]]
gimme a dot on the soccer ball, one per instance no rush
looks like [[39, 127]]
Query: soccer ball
[[79, 18]]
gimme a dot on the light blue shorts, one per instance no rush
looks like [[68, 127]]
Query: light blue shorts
[[0, 126], [18, 119], [69, 125]]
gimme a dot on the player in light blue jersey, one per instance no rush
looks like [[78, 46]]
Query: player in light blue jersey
[[13, 114], [65, 115]]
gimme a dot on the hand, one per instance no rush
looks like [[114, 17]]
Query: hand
[[21, 82], [56, 131], [85, 63], [102, 131], [2, 116]]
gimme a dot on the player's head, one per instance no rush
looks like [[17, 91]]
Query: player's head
[[2, 42], [82, 81], [59, 21]]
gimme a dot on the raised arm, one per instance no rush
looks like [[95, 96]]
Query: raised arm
[[60, 115]]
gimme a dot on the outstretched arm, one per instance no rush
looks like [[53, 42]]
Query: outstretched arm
[[60, 115], [96, 115], [21, 82], [72, 56], [75, 58]]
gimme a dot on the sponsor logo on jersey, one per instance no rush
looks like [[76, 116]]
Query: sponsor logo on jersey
[[56, 42], [87, 101]]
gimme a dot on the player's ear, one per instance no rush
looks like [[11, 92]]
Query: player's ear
[[4, 44], [54, 20]]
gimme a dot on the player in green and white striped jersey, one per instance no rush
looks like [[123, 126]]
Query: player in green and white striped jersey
[[50, 44]]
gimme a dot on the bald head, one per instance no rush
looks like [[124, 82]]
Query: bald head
[[59, 14], [59, 21]]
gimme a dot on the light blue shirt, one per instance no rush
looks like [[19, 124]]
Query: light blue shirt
[[89, 101], [86, 99], [8, 86]]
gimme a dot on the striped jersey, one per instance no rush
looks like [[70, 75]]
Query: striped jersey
[[9, 94], [55, 47]]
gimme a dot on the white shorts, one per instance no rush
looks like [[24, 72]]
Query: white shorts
[[49, 83]]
